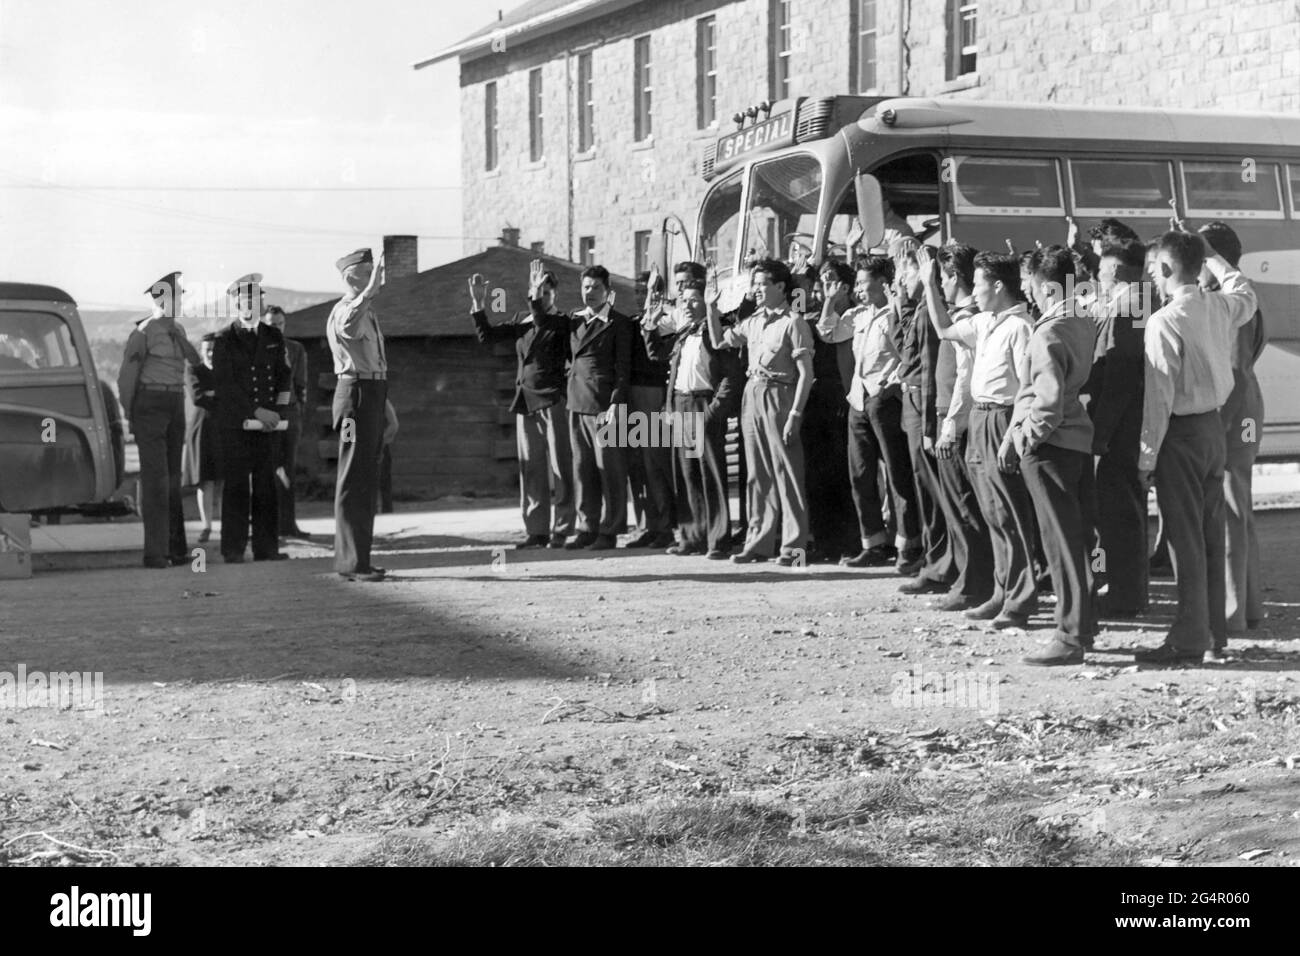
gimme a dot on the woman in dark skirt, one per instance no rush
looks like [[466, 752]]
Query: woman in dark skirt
[[201, 461]]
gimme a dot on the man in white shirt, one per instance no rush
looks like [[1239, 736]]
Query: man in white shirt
[[998, 337], [1188, 377]]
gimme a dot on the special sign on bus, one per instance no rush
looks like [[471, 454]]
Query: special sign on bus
[[755, 137]]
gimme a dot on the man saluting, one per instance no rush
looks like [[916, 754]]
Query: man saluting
[[360, 397]]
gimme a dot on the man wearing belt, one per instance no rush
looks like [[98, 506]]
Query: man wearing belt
[[151, 387], [541, 343], [780, 348], [357, 344], [295, 355], [1188, 378], [998, 336], [703, 386], [1051, 435], [252, 385], [946, 402]]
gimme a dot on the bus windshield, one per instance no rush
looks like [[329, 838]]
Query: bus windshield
[[720, 224], [782, 208]]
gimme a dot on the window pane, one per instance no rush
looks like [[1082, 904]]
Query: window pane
[[867, 63], [1232, 189], [867, 15], [783, 201], [995, 186], [1295, 189], [35, 340], [1117, 187], [490, 126], [720, 224], [535, 115]]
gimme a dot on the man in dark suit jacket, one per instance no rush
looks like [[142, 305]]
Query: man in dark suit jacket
[[704, 388], [541, 341], [253, 385], [599, 377]]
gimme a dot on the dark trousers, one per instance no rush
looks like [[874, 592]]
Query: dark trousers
[[831, 516], [1189, 484], [650, 467], [360, 405], [288, 441], [1060, 485], [700, 483], [1122, 518], [599, 477], [967, 532], [885, 412], [1007, 510], [158, 422], [939, 562], [864, 478], [248, 465]]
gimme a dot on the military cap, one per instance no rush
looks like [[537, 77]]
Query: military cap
[[167, 285], [244, 282], [360, 257]]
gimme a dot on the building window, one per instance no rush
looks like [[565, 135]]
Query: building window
[[587, 251], [961, 37], [538, 248], [586, 104], [863, 53], [706, 72], [535, 147], [779, 45], [642, 89], [490, 126], [641, 251]]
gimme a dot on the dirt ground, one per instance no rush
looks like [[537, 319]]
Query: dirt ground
[[275, 714]]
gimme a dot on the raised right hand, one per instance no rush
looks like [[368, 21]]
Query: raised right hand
[[478, 291]]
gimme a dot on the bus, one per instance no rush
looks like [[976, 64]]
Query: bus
[[990, 173]]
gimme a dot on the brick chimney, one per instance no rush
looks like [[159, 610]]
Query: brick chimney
[[510, 237], [401, 257]]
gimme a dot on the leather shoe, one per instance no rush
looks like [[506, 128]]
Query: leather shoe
[[878, 556], [1217, 655], [1053, 653], [790, 561], [959, 602], [1010, 619], [924, 585], [557, 541], [748, 557], [1168, 654], [910, 563], [645, 539], [583, 539], [682, 549], [373, 574], [533, 541], [718, 555], [602, 542], [986, 611]]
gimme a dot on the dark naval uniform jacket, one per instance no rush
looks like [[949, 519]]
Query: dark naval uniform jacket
[[251, 372]]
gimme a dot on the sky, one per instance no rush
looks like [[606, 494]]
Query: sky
[[221, 137]]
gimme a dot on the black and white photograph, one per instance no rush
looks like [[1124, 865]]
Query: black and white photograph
[[614, 433]]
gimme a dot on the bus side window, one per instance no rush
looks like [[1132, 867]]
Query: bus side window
[[1124, 189], [1006, 186], [1246, 190]]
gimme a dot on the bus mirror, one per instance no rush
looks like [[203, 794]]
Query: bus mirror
[[870, 210]]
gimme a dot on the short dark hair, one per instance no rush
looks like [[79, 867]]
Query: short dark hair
[[693, 269], [551, 279], [878, 267], [693, 285], [1055, 264], [1131, 253], [1185, 248], [599, 273], [1223, 240], [1028, 261], [999, 268], [961, 258], [777, 271], [272, 310], [1110, 230], [840, 271]]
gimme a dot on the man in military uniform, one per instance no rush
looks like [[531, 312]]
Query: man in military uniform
[[151, 387], [252, 384], [357, 344], [296, 357]]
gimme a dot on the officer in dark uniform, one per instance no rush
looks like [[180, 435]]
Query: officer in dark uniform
[[252, 383], [151, 387]]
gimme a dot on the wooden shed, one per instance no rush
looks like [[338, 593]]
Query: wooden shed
[[452, 395]]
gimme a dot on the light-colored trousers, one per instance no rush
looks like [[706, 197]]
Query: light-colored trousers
[[545, 470], [1244, 600], [776, 470]]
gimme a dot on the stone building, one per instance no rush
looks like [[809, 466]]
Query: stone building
[[584, 121]]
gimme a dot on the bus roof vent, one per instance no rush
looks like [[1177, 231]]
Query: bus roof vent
[[709, 160], [814, 119]]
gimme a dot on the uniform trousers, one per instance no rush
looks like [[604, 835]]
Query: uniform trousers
[[967, 533], [650, 467], [703, 512], [776, 469], [938, 561], [1122, 517], [885, 412], [158, 422], [288, 460], [1059, 481], [865, 478], [599, 477], [1008, 512], [1189, 484], [358, 403], [545, 470], [248, 464], [1245, 603]]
